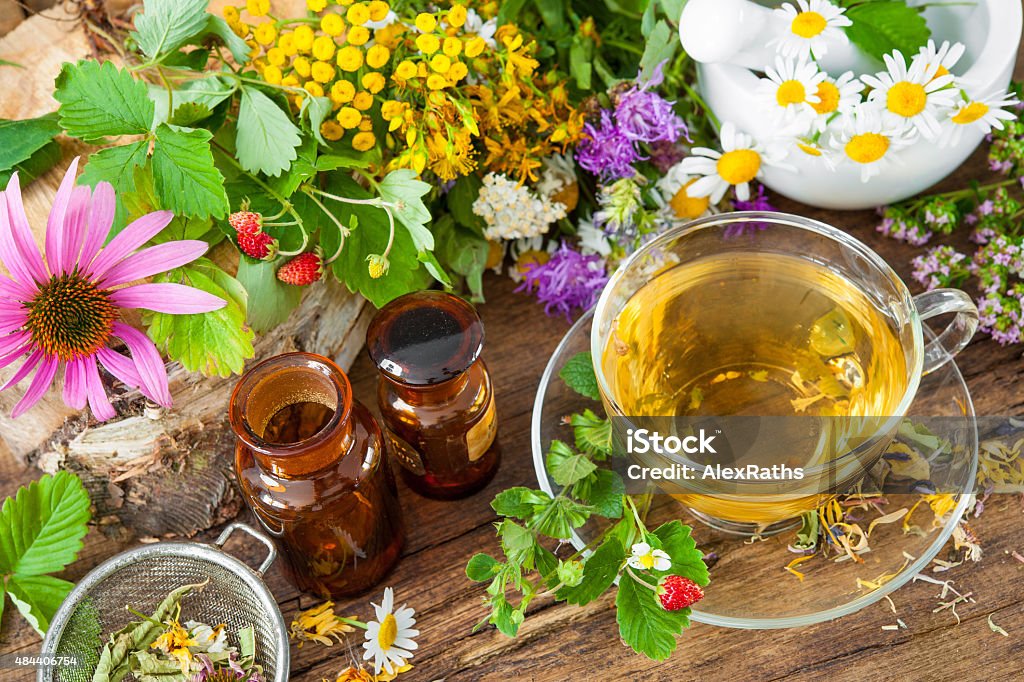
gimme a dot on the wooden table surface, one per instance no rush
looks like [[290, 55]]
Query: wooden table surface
[[560, 642]]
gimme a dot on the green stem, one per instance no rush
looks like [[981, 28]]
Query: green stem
[[704, 105], [342, 230], [170, 92], [628, 47], [351, 621], [636, 513], [634, 576]]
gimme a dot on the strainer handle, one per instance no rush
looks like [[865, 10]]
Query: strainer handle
[[246, 528]]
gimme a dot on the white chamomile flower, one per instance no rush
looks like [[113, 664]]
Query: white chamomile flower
[[389, 639], [982, 113], [911, 96], [592, 239], [388, 19], [810, 27], [208, 640], [790, 89], [674, 188], [866, 139], [475, 25], [737, 165], [836, 97], [527, 251], [941, 59], [645, 558]]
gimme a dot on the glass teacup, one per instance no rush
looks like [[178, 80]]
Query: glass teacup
[[764, 343]]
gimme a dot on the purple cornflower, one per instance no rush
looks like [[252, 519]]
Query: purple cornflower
[[605, 150], [567, 282], [758, 202], [645, 116]]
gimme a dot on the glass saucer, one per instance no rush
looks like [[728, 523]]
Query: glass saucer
[[750, 586]]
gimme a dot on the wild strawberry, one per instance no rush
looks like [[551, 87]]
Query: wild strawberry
[[378, 266], [304, 269], [246, 222], [676, 592], [258, 245]]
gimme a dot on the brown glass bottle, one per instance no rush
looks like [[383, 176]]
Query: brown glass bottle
[[435, 393], [310, 463]]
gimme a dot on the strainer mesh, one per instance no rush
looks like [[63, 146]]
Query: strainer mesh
[[142, 585]]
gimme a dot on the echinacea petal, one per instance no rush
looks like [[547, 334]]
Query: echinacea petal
[[14, 355], [101, 219], [9, 253], [23, 371], [120, 366], [12, 321], [99, 403], [174, 299], [75, 224], [41, 382], [152, 261], [132, 237], [12, 341], [148, 362], [24, 243], [55, 235], [74, 385], [13, 290]]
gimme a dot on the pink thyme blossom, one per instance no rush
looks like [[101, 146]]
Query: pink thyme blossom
[[62, 311]]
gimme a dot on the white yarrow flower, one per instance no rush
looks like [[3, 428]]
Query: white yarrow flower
[[810, 26], [645, 558], [911, 96], [389, 639], [512, 211]]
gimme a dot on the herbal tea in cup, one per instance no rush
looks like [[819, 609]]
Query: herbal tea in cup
[[766, 316]]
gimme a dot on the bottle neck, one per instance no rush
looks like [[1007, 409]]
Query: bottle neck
[[432, 394]]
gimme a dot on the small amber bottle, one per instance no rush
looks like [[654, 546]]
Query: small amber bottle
[[435, 393], [309, 460]]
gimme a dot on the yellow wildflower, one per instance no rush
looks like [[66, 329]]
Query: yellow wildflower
[[363, 142], [350, 58], [421, 70], [314, 88], [426, 22], [332, 130], [378, 10], [366, 124], [363, 100], [440, 63], [276, 56], [272, 74], [437, 82], [428, 43], [349, 117], [322, 72], [475, 47], [316, 6], [319, 625], [457, 16], [342, 92], [373, 81], [254, 50], [357, 14], [344, 3], [389, 35], [286, 41], [257, 8], [458, 71], [377, 56], [332, 24], [355, 675], [358, 35], [452, 46], [290, 81], [301, 66], [323, 48], [265, 34], [450, 158], [175, 642], [230, 14], [303, 37], [405, 70]]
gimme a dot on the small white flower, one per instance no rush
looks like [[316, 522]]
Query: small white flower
[[389, 639], [645, 558], [983, 113], [740, 162], [475, 25], [528, 250], [866, 139], [941, 59], [674, 190], [388, 19], [790, 90], [512, 211], [559, 172], [592, 239], [911, 96], [810, 28], [208, 640], [836, 97]]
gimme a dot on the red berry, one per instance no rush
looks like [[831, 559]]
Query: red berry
[[304, 269], [676, 592], [246, 222], [258, 245]]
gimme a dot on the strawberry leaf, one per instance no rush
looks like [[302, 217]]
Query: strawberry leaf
[[42, 526], [100, 100], [644, 624], [687, 560], [38, 597]]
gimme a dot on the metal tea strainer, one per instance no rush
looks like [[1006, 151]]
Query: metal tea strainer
[[142, 577]]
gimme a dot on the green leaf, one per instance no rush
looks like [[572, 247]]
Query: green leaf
[[190, 113], [578, 374], [559, 517], [660, 46], [218, 27], [565, 466], [100, 100], [878, 28], [509, 10], [570, 573], [687, 560], [165, 25], [402, 187], [5, 62], [19, 140], [460, 202], [315, 111], [216, 343], [38, 597], [581, 58], [517, 542], [187, 182], [430, 262], [643, 624], [504, 617], [482, 567], [117, 165], [599, 572], [266, 138], [41, 160], [592, 433], [519, 502], [42, 526], [208, 92], [302, 169], [602, 490], [463, 251], [276, 299]]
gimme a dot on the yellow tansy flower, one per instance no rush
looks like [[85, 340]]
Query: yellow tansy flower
[[254, 48], [437, 82], [452, 46], [428, 43], [303, 37], [344, 3], [421, 70], [373, 81], [456, 16], [391, 109], [257, 8], [316, 6], [301, 66], [358, 35], [366, 124], [363, 142], [290, 81], [350, 58], [377, 56], [426, 22], [349, 117], [323, 48], [286, 41], [342, 92], [314, 88], [475, 46], [440, 63], [276, 56], [322, 72], [405, 70], [332, 24], [230, 14], [272, 74], [363, 100], [458, 71], [265, 34], [378, 10], [332, 130], [357, 14]]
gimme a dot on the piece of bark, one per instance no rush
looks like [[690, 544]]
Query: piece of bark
[[11, 15]]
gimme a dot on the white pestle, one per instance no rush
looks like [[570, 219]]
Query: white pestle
[[737, 32]]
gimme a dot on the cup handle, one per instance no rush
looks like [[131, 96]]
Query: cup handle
[[958, 334]]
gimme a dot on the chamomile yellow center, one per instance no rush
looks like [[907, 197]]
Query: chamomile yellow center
[[906, 99], [867, 147], [828, 96], [686, 206], [940, 72], [790, 92], [808, 24], [739, 166], [974, 111], [388, 632], [809, 149]]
